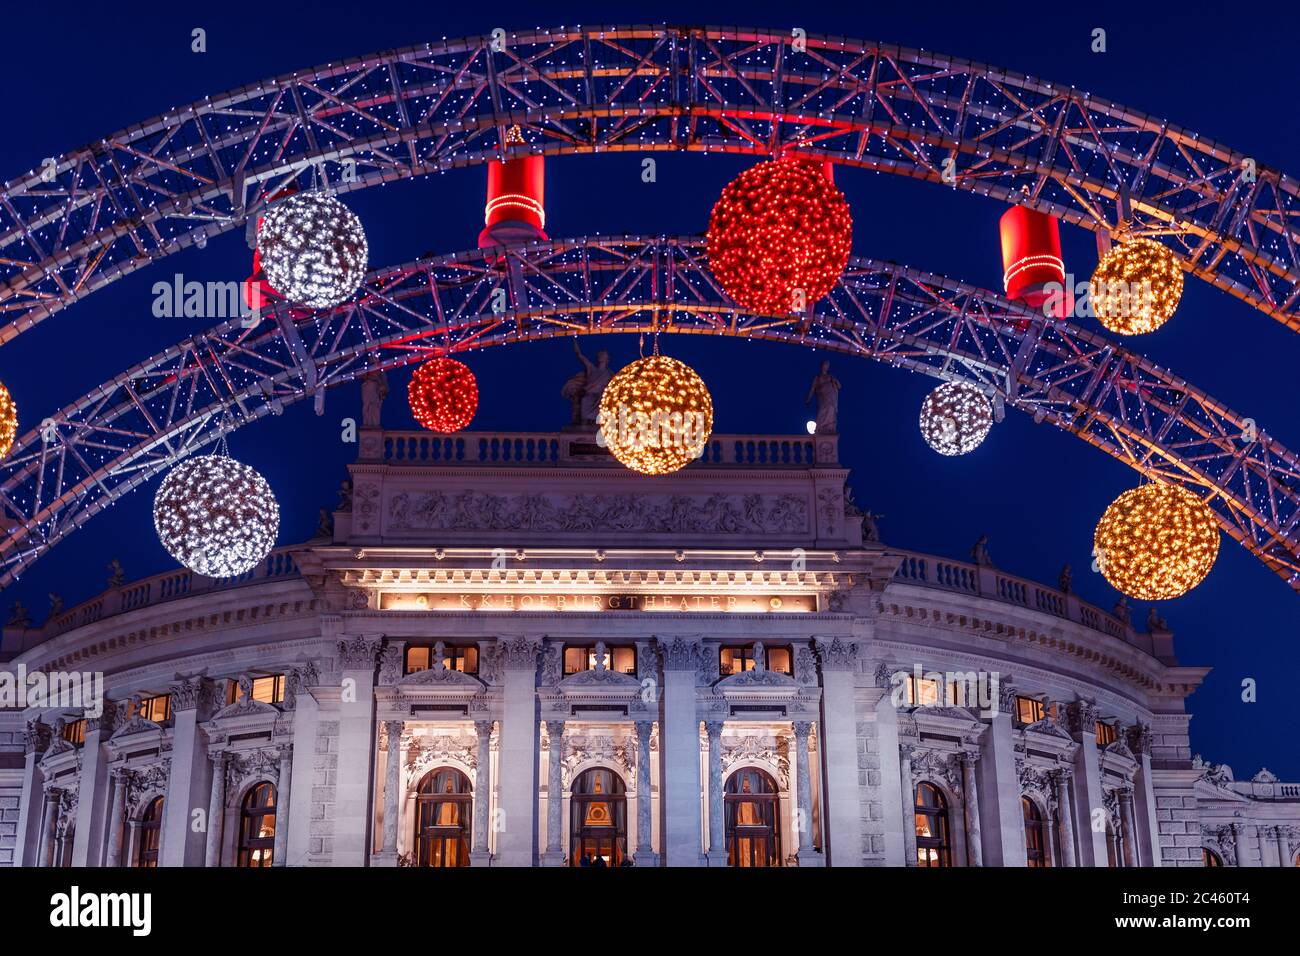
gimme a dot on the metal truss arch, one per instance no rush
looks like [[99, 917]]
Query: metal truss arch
[[94, 215], [123, 433]]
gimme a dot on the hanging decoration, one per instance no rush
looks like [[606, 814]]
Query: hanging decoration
[[216, 516], [1156, 542], [1136, 286], [312, 250], [779, 236], [656, 415], [443, 395], [955, 418], [8, 421]]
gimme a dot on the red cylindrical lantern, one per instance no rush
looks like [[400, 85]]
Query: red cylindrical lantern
[[516, 196], [443, 395], [1033, 271], [258, 293]]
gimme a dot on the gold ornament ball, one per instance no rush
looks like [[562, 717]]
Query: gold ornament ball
[[8, 421], [1136, 287], [656, 415], [1156, 542]]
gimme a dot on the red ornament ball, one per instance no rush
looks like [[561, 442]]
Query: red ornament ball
[[779, 236], [443, 395]]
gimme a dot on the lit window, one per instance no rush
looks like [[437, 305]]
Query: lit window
[[922, 691], [1105, 733], [1210, 858], [931, 820], [736, 660], [1029, 710], [156, 709], [150, 830], [1035, 841], [266, 690], [74, 732], [455, 657], [579, 658]]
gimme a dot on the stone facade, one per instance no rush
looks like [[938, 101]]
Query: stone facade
[[734, 621]]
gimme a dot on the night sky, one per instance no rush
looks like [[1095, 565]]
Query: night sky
[[73, 73]]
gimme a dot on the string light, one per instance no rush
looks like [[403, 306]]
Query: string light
[[313, 250], [656, 415], [955, 418], [216, 516], [443, 395], [1136, 286], [779, 236], [1156, 542], [8, 421]]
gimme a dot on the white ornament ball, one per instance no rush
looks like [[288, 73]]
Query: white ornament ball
[[216, 516], [313, 250], [955, 418]]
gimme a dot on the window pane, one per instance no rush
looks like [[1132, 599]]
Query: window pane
[[778, 659], [469, 660], [624, 660], [417, 659], [575, 659]]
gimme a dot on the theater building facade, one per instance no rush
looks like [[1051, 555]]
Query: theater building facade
[[506, 650]]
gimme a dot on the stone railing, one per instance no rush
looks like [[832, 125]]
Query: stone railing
[[581, 448], [1267, 789], [146, 592], [987, 581]]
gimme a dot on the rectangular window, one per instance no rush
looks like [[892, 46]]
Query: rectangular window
[[74, 732], [922, 691], [455, 657], [157, 709], [579, 658], [268, 689], [736, 660], [1029, 710], [1105, 734]]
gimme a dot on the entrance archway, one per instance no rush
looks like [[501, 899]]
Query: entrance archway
[[443, 813], [598, 819], [753, 815]]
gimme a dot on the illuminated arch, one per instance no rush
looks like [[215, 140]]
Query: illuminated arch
[[100, 212], [136, 425]]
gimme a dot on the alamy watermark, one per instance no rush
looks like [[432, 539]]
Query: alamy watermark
[[921, 688], [81, 690], [179, 299]]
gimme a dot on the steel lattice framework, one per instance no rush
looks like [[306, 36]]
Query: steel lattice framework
[[89, 217], [120, 435]]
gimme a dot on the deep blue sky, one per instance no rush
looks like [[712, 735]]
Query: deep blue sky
[[75, 72]]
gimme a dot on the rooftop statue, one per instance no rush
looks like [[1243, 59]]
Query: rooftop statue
[[583, 390], [826, 389]]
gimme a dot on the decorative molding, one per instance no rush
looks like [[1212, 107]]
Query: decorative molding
[[357, 653], [838, 654], [764, 748]]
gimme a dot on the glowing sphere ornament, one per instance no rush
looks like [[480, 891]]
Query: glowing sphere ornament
[[8, 421], [656, 415], [443, 395], [779, 236], [216, 516], [955, 418], [1136, 287], [313, 250], [1156, 542]]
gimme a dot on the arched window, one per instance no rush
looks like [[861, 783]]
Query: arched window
[[753, 819], [146, 854], [933, 846], [1209, 857], [257, 826], [598, 819], [444, 810], [1035, 837]]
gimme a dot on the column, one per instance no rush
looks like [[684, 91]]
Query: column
[[717, 815], [838, 739], [804, 824], [93, 791], [216, 809], [180, 844], [1259, 839], [1066, 830], [971, 802], [306, 724], [1283, 847], [1130, 828], [680, 787], [516, 825], [355, 782], [555, 795], [116, 817], [1238, 844], [645, 855], [50, 821], [482, 790], [1000, 785], [392, 788], [1082, 719], [283, 792], [31, 803], [908, 795]]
